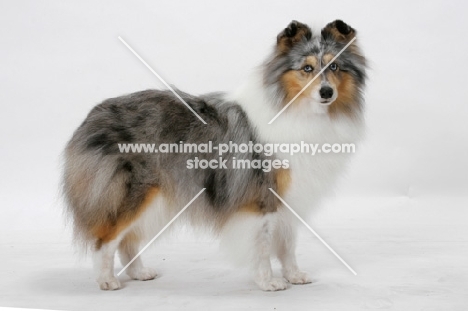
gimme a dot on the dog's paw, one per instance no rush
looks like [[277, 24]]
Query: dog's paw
[[142, 274], [109, 283], [298, 277], [273, 284]]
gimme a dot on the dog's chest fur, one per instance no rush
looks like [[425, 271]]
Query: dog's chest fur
[[312, 176]]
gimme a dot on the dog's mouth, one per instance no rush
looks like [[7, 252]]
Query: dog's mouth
[[326, 102]]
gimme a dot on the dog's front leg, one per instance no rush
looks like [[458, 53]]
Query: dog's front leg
[[284, 245], [262, 262]]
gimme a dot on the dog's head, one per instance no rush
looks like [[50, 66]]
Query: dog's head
[[324, 71]]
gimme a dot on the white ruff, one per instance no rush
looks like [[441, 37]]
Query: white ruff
[[312, 176]]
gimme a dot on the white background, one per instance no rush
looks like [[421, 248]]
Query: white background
[[407, 184]]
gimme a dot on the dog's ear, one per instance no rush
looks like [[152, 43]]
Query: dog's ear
[[339, 31], [291, 35]]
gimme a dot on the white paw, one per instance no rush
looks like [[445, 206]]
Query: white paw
[[142, 274], [298, 277], [273, 284], [109, 283]]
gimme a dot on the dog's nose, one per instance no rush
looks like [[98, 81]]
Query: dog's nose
[[326, 92]]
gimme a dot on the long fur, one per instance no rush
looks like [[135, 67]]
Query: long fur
[[117, 200]]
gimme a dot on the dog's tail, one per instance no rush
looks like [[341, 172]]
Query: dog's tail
[[94, 188]]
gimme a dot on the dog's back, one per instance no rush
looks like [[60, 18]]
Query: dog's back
[[106, 188]]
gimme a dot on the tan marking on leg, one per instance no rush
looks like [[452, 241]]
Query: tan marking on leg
[[283, 181], [251, 208], [110, 229]]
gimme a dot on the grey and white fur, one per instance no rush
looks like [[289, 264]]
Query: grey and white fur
[[118, 200]]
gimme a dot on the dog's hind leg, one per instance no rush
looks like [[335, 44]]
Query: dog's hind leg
[[116, 233], [103, 260], [128, 249]]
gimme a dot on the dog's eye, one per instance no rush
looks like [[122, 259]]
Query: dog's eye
[[333, 67], [308, 68]]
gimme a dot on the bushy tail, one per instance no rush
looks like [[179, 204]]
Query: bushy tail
[[94, 189]]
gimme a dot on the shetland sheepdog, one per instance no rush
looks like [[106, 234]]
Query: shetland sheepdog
[[118, 200]]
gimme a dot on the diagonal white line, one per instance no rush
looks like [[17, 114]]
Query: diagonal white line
[[313, 231], [310, 82], [160, 232], [161, 79]]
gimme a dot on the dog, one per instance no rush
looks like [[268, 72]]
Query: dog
[[119, 199]]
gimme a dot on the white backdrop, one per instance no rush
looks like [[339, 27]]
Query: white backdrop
[[58, 59]]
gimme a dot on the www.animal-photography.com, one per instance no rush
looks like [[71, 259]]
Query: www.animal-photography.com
[[260, 155]]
